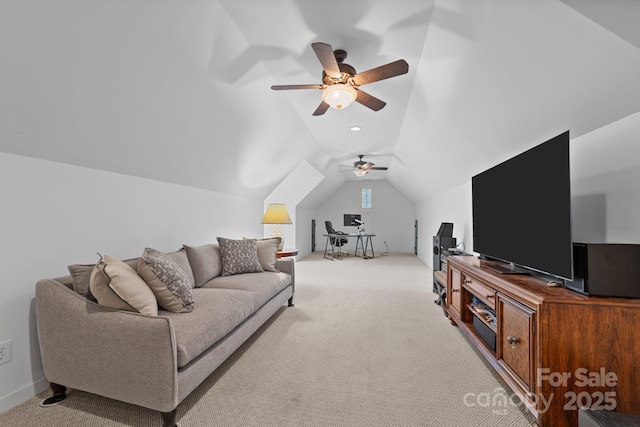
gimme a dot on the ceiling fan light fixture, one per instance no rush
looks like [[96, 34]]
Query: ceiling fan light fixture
[[339, 95], [360, 172]]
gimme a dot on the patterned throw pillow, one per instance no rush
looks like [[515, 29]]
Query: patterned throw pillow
[[239, 256], [167, 280]]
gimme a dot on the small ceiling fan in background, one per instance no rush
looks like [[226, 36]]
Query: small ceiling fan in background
[[340, 82], [361, 168]]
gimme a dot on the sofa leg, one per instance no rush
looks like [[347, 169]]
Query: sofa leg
[[291, 302], [59, 394], [169, 418]]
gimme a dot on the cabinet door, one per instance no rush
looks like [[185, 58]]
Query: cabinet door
[[516, 339], [456, 285]]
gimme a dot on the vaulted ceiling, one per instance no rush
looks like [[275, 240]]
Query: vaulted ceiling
[[179, 91]]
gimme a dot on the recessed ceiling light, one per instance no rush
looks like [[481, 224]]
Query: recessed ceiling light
[[355, 128]]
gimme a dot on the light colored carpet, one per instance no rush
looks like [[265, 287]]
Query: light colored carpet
[[364, 346]]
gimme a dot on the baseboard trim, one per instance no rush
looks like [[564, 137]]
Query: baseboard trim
[[23, 394]]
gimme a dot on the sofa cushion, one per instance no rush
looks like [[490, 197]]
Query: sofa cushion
[[264, 285], [239, 256], [167, 280], [116, 285], [268, 253], [216, 313], [205, 262]]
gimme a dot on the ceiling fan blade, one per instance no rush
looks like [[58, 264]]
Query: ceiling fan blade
[[370, 101], [327, 58], [322, 108], [287, 87], [383, 72], [379, 168]]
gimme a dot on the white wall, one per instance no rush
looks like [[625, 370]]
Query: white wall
[[589, 218], [450, 206], [54, 215], [605, 183], [623, 215], [392, 218]]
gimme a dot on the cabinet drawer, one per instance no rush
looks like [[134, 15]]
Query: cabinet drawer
[[454, 299], [486, 294], [516, 340]]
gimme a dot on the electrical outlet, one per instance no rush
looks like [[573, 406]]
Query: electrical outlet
[[5, 352]]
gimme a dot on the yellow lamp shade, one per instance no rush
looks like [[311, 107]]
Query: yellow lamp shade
[[276, 213]]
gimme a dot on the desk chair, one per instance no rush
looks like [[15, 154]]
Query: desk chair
[[336, 241]]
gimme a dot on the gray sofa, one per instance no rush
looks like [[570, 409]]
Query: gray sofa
[[154, 361]]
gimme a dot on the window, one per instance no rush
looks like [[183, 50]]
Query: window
[[366, 198]]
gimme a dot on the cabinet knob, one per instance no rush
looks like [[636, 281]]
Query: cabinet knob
[[490, 296], [455, 290], [467, 281], [512, 340]]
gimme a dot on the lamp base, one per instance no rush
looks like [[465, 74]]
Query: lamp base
[[276, 231]]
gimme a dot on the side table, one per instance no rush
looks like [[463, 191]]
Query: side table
[[284, 253]]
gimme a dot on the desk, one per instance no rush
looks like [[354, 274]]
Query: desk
[[363, 241]]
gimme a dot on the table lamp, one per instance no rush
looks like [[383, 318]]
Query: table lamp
[[276, 214]]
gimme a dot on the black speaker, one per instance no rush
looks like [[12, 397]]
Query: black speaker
[[441, 244], [606, 269], [446, 230]]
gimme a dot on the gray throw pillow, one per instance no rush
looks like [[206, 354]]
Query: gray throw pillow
[[167, 280], [205, 262], [268, 253], [239, 256], [81, 274]]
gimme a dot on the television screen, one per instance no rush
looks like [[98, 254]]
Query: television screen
[[522, 210]]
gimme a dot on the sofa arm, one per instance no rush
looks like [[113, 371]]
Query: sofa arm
[[287, 265], [121, 355]]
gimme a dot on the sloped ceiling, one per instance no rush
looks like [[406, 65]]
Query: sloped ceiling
[[179, 91]]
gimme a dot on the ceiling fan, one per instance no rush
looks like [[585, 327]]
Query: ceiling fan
[[361, 168], [340, 82]]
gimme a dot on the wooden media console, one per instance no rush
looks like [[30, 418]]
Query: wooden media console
[[557, 349]]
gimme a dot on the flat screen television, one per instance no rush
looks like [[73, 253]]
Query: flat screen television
[[522, 211]]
